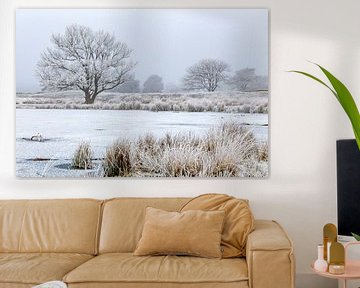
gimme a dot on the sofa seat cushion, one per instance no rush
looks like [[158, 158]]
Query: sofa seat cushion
[[36, 268], [242, 284], [127, 268]]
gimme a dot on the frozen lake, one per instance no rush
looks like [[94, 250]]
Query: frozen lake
[[65, 129]]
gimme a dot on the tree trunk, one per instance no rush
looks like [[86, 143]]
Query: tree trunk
[[90, 99]]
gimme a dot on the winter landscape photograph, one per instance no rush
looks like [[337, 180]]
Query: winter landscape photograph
[[142, 93]]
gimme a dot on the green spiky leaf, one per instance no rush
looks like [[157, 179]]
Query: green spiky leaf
[[344, 97], [356, 236]]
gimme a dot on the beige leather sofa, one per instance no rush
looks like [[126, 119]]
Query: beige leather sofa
[[89, 243]]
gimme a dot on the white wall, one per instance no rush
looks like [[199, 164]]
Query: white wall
[[305, 119]]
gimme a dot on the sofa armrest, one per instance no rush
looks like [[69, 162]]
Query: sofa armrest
[[269, 256]]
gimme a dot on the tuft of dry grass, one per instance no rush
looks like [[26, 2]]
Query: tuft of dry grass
[[229, 150], [117, 161], [82, 158], [264, 152]]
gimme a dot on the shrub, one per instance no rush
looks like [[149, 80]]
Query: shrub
[[82, 158]]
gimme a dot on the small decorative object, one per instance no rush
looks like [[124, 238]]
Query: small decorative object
[[337, 258], [336, 269], [329, 236], [320, 264], [328, 245]]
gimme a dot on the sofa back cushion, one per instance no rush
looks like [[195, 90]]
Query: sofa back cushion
[[238, 224], [64, 226], [123, 220]]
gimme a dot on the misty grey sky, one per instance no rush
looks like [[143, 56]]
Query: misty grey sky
[[164, 41]]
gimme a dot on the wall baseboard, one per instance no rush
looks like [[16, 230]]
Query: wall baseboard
[[309, 280]]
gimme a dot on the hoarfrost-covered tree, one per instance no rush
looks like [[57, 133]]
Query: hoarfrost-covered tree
[[206, 74], [153, 84], [243, 78], [247, 80], [91, 61]]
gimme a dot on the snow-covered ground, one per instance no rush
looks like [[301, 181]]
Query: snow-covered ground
[[63, 131]]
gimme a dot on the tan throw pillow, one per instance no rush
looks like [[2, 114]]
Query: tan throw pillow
[[196, 233], [239, 220]]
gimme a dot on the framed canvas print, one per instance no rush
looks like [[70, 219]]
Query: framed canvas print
[[142, 93]]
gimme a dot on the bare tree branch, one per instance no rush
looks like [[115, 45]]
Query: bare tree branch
[[91, 61], [206, 74]]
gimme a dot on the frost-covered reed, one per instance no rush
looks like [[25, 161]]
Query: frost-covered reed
[[221, 101], [82, 158], [227, 151]]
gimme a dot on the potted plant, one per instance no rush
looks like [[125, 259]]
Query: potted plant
[[345, 99]]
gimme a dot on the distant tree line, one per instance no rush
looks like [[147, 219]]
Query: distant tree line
[[153, 84], [207, 74], [94, 62]]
